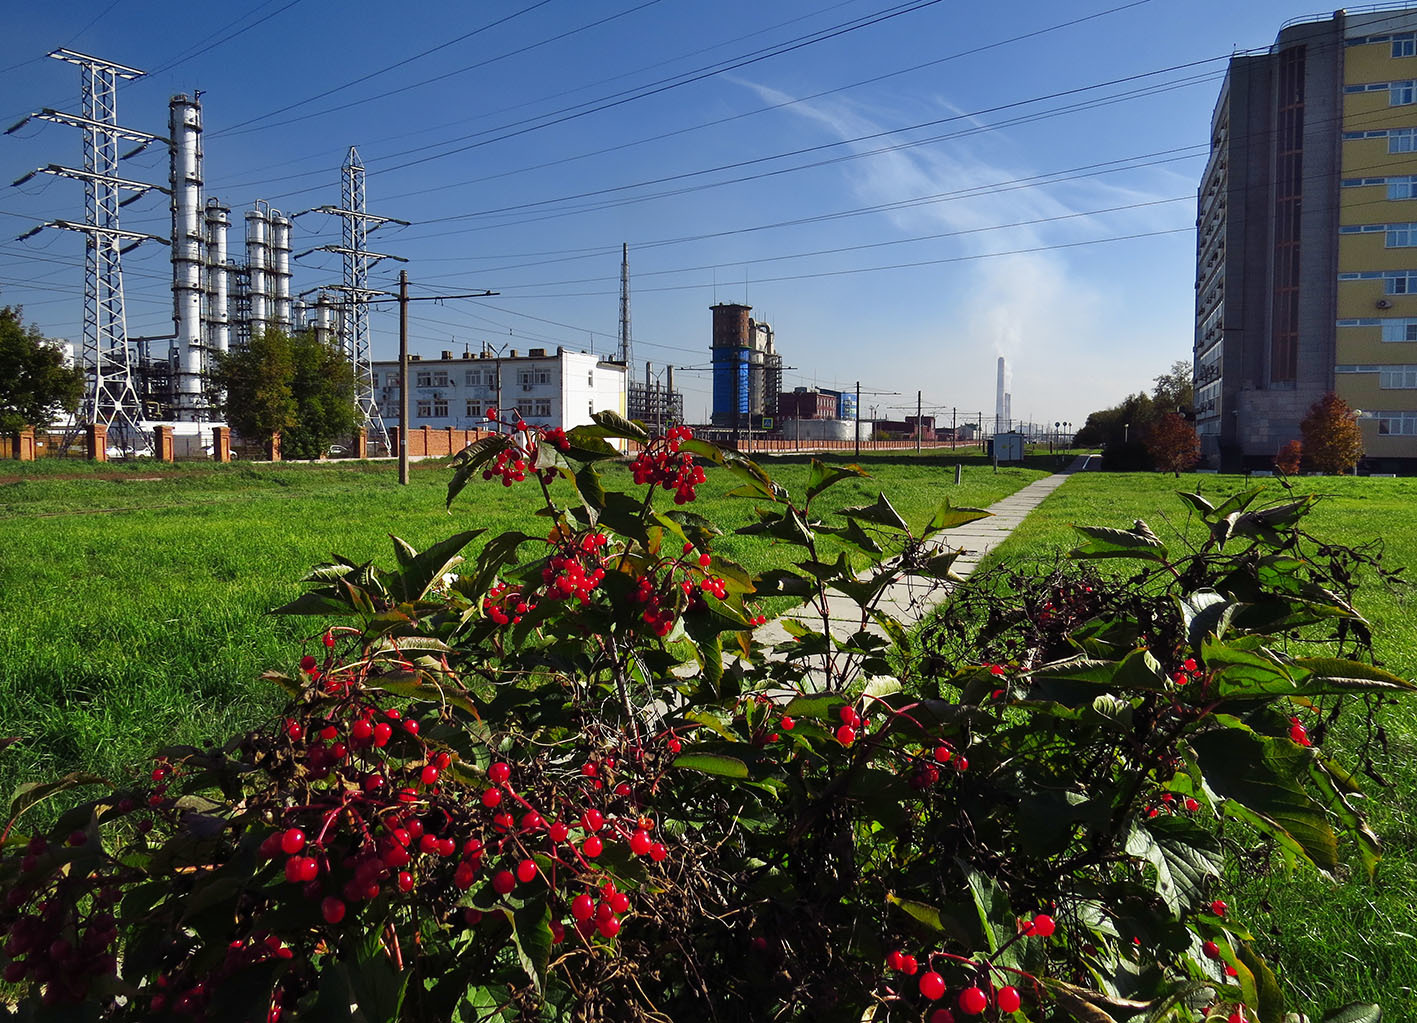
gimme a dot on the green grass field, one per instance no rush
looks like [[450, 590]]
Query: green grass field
[[133, 598], [1352, 941]]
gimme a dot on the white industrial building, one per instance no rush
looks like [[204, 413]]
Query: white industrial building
[[545, 388]]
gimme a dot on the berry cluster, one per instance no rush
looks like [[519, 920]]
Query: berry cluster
[[577, 571], [515, 462], [980, 992], [505, 604], [662, 464]]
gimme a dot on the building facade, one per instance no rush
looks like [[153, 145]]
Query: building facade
[[804, 403], [747, 369], [558, 388], [1306, 241]]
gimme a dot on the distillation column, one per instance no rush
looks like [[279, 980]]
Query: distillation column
[[185, 126], [218, 314], [280, 271], [258, 262]]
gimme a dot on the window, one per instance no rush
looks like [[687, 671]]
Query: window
[[1399, 330], [1402, 188], [590, 378], [541, 408], [1400, 94], [440, 408], [423, 379], [474, 409], [1394, 378], [1402, 140], [440, 378], [425, 410], [1404, 45], [528, 377], [474, 378], [1401, 282], [1397, 424], [1401, 236]]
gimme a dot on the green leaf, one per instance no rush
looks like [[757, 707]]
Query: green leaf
[[422, 570], [919, 911], [32, 793], [712, 763], [991, 903], [823, 476], [947, 516], [478, 1005], [411, 684], [1333, 675], [315, 603], [1238, 502], [1077, 1002], [613, 424], [1240, 672], [1355, 826], [781, 582], [1263, 775], [531, 934], [1205, 613], [470, 460], [378, 988], [1185, 856], [1197, 502], [1103, 542], [704, 449], [882, 513], [1268, 999], [1358, 1012]]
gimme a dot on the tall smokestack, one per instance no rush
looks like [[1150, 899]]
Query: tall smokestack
[[185, 125], [1000, 412]]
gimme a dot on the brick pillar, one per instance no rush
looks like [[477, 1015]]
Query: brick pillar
[[361, 443], [221, 443], [453, 446], [163, 446], [394, 441], [425, 431], [273, 447], [24, 445], [96, 442]]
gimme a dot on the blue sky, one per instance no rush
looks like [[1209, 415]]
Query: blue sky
[[904, 189]]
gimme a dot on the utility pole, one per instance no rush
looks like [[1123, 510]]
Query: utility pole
[[954, 431], [403, 300], [403, 377], [858, 419], [917, 422]]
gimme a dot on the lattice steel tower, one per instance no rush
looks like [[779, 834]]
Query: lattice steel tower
[[110, 396], [358, 260], [625, 353]]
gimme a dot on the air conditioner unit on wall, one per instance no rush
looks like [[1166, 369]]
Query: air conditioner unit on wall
[[1383, 303]]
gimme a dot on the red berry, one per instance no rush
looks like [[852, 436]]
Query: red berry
[[1299, 734], [619, 902], [428, 775], [292, 841], [962, 763], [788, 724], [1211, 950], [942, 1016], [848, 715], [498, 773], [895, 960], [329, 639], [1008, 999], [1218, 908], [503, 882], [332, 909], [307, 663], [592, 846], [640, 843], [908, 965], [658, 852], [411, 726], [1238, 1016], [674, 745], [973, 1001], [490, 798], [1042, 926], [846, 735], [558, 832], [932, 985], [608, 928], [526, 870], [382, 731], [582, 907], [404, 881], [1191, 805], [593, 820], [361, 730]]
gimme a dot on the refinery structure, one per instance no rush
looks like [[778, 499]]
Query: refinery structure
[[219, 302]]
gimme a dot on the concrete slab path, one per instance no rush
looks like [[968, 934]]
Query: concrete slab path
[[911, 599]]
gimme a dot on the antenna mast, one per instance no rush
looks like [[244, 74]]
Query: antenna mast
[[625, 353]]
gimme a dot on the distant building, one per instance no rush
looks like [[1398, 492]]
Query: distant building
[[1306, 248], [559, 388], [845, 402], [747, 370], [804, 403]]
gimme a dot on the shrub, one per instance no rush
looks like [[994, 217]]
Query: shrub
[[1333, 442], [568, 781], [1289, 458], [1172, 443]]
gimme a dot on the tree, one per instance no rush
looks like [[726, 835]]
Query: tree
[[1172, 443], [1289, 458], [1332, 440], [293, 384], [35, 385], [1174, 391]]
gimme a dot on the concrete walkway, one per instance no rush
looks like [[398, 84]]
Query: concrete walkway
[[911, 599]]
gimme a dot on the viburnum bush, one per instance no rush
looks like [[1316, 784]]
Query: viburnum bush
[[575, 778]]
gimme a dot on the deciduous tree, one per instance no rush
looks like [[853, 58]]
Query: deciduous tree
[[1172, 443], [1289, 458], [35, 385], [1332, 440], [295, 384]]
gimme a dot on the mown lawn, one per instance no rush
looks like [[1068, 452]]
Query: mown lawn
[[1350, 941], [134, 599]]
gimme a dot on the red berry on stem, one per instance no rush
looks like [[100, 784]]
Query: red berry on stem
[[1211, 950], [592, 846], [608, 928], [1008, 999], [846, 735], [526, 870], [932, 985], [1218, 907], [1042, 926], [593, 820], [973, 1001], [498, 773], [503, 882], [640, 843], [292, 841], [582, 907], [332, 909], [942, 1016]]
